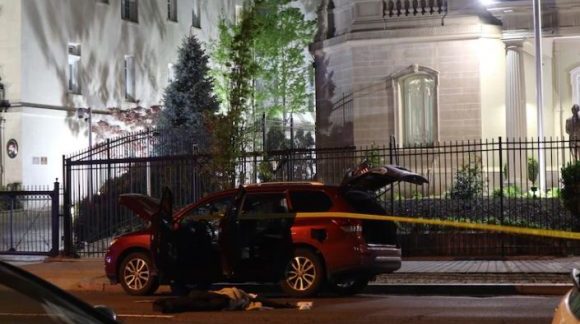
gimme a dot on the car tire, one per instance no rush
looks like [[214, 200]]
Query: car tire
[[135, 275], [304, 275], [350, 286]]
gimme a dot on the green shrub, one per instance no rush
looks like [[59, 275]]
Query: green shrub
[[373, 156], [511, 191], [554, 193], [570, 193], [533, 170], [468, 183]]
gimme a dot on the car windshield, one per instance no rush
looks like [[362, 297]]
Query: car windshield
[[24, 299]]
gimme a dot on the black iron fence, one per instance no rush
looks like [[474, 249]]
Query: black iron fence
[[515, 182], [30, 222]]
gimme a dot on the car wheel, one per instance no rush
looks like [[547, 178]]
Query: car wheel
[[135, 275], [304, 274], [350, 285]]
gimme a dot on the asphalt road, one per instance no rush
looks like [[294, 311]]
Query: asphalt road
[[358, 309]]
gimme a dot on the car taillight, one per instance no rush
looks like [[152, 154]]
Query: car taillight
[[350, 226]]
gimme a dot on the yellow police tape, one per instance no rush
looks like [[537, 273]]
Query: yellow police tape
[[439, 222]]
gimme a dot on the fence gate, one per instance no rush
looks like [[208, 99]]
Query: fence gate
[[29, 222]]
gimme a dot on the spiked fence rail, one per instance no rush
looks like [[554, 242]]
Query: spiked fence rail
[[483, 181]]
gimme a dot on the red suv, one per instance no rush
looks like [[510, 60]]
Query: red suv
[[252, 235]]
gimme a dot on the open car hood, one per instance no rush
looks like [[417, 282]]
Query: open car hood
[[376, 178], [142, 205]]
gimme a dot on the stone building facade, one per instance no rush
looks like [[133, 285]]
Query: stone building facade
[[433, 71], [57, 56]]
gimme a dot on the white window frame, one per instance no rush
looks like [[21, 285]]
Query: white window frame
[[238, 9], [170, 72], [172, 10], [575, 83], [196, 14], [74, 68], [397, 80], [129, 73], [130, 10]]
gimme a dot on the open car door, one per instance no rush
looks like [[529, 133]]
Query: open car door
[[229, 236], [258, 243], [163, 247]]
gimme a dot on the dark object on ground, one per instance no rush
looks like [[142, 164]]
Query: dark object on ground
[[224, 299]]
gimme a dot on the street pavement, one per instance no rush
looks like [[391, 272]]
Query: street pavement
[[539, 275]]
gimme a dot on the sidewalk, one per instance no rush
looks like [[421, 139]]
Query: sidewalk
[[539, 275]]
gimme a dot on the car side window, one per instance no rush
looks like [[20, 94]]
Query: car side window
[[210, 210], [262, 205], [310, 201]]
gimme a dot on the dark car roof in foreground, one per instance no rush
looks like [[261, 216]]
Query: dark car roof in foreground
[[13, 275]]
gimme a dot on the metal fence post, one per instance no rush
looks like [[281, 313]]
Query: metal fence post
[[55, 219], [67, 222], [501, 200], [12, 248], [392, 187]]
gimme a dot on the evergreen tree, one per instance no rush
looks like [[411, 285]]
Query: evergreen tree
[[187, 99]]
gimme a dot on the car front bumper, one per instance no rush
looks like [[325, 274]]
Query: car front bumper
[[110, 268]]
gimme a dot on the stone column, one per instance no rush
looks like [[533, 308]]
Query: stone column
[[516, 121]]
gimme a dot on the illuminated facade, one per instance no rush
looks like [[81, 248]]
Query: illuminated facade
[[60, 55], [428, 71]]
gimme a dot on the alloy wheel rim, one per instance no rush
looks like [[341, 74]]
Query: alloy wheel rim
[[301, 273], [136, 274]]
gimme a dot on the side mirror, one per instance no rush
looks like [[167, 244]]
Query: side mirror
[[575, 274]]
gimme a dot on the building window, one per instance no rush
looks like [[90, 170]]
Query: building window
[[416, 109], [103, 1], [129, 10], [172, 10], [74, 65], [575, 82], [196, 15], [238, 13], [129, 78], [170, 72]]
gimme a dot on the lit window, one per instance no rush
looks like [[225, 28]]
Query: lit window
[[129, 10], [415, 90], [170, 72], [172, 10], [129, 78], [196, 14], [74, 63]]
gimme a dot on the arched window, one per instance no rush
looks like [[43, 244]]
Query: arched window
[[418, 109], [416, 106]]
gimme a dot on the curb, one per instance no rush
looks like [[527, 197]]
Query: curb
[[469, 289]]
